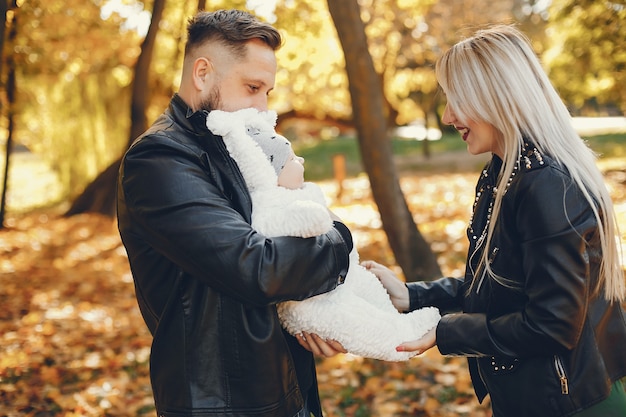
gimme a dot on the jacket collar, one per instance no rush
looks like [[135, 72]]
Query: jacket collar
[[491, 171], [194, 121]]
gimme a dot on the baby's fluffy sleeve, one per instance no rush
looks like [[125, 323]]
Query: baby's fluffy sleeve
[[279, 211]]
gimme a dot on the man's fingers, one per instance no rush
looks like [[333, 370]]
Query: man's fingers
[[302, 340], [319, 346], [337, 346]]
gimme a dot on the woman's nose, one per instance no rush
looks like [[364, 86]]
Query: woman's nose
[[300, 159], [448, 117]]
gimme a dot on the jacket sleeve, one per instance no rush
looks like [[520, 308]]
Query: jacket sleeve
[[554, 224], [178, 207], [444, 293]]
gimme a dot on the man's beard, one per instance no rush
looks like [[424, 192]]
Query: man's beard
[[213, 101]]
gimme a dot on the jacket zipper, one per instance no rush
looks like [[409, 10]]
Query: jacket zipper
[[490, 259], [471, 258], [560, 371]]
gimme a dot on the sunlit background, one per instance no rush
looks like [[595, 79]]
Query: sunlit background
[[72, 342]]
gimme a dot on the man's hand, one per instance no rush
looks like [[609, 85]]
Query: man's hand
[[319, 346]]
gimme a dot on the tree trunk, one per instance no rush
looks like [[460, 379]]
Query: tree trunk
[[10, 99], [412, 252], [99, 195]]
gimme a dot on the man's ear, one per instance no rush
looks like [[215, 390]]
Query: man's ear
[[202, 68]]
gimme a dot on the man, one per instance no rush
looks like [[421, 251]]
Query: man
[[207, 284]]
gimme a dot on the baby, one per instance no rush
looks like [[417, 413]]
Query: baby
[[358, 314]]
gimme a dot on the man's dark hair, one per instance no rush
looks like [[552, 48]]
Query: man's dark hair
[[232, 28]]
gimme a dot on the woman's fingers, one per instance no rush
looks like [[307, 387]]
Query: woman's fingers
[[415, 346], [421, 345]]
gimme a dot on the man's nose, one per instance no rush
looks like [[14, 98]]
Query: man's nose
[[260, 103]]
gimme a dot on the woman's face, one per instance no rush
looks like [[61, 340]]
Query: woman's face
[[480, 137], [292, 174]]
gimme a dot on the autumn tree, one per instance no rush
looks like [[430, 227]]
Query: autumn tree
[[99, 195], [587, 55], [310, 82], [71, 71], [411, 251], [3, 21], [7, 107], [404, 39]]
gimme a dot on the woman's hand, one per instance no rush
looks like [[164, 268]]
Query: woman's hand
[[319, 346], [421, 345], [397, 290]]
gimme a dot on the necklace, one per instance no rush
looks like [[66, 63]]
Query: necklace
[[493, 190], [524, 155]]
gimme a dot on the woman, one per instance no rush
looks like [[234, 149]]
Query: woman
[[540, 321]]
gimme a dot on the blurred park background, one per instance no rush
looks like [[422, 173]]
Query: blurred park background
[[79, 79]]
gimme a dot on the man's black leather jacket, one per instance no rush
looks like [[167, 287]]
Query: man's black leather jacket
[[207, 283], [543, 343]]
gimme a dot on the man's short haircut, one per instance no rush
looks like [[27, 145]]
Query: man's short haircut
[[232, 28]]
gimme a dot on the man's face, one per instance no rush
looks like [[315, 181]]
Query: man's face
[[241, 83]]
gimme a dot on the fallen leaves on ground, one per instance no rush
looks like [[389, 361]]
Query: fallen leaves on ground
[[74, 343]]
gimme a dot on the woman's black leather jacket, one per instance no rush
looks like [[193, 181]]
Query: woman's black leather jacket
[[207, 283], [542, 343]]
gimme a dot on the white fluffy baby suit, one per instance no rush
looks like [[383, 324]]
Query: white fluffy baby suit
[[358, 314]]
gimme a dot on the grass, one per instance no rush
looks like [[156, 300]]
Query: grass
[[319, 156], [608, 146]]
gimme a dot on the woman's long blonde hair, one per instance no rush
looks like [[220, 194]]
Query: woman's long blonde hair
[[495, 77]]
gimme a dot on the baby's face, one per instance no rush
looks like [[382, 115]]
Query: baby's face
[[292, 175]]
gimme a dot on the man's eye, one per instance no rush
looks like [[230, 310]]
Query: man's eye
[[253, 88]]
